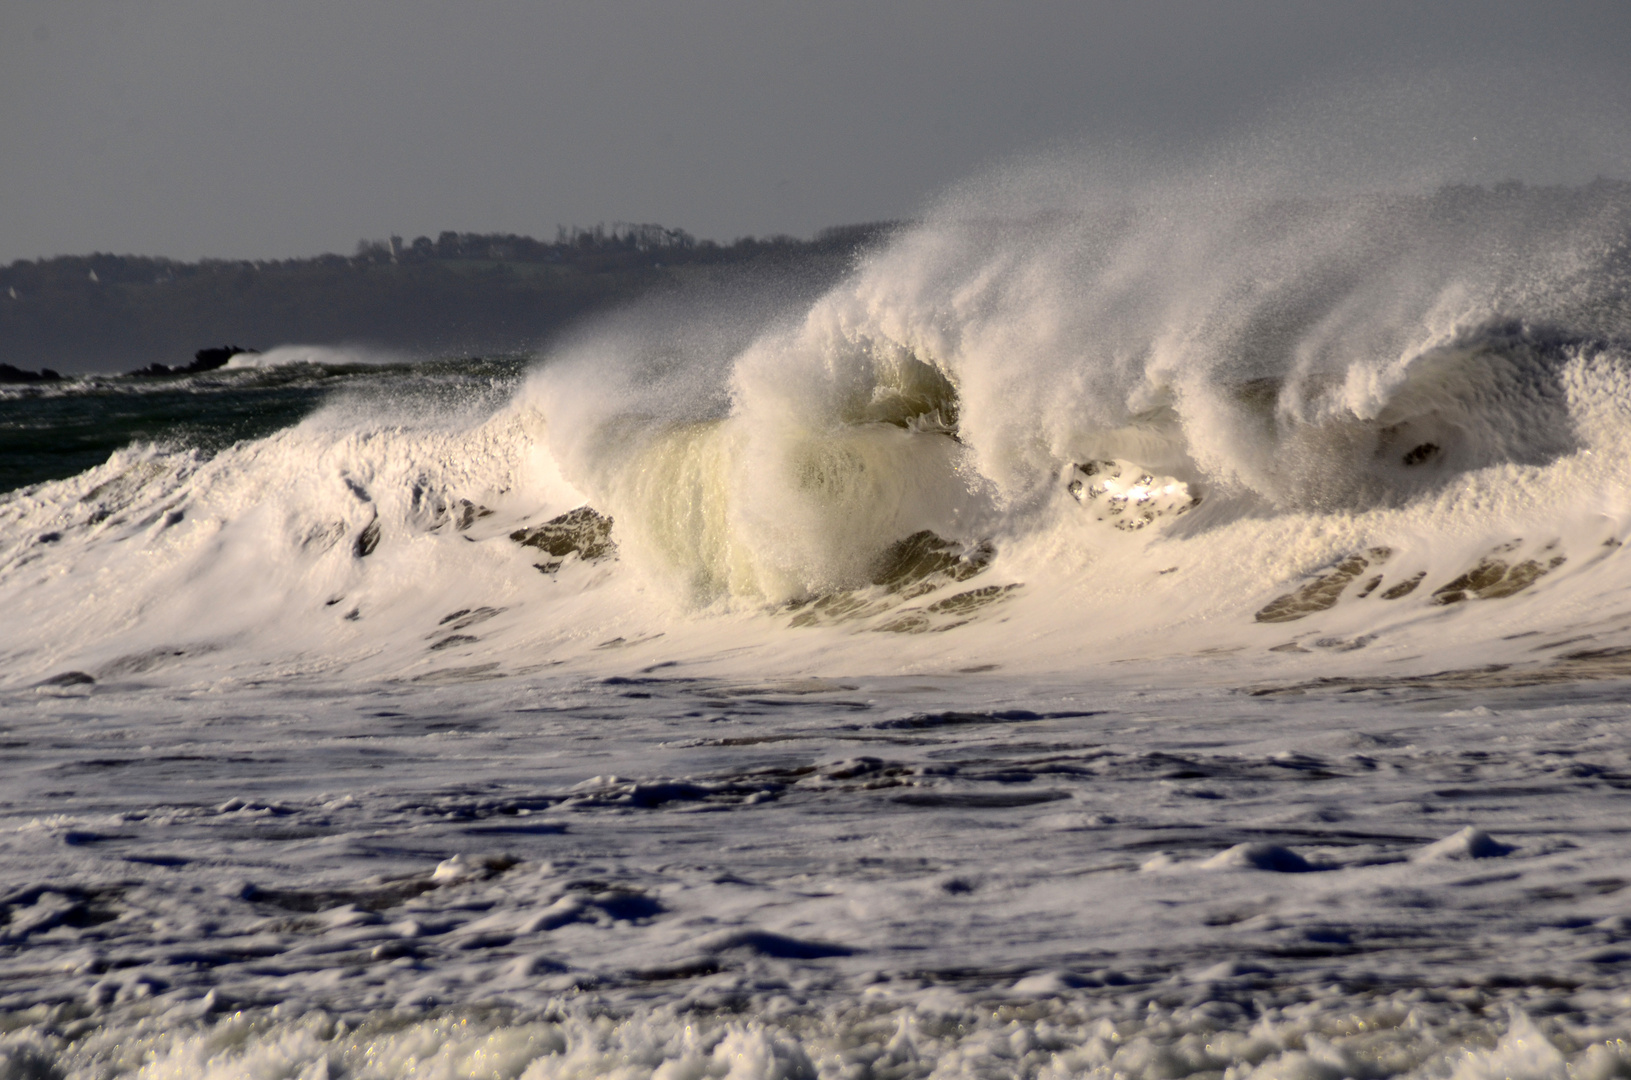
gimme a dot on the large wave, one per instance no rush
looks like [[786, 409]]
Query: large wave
[[1043, 418]]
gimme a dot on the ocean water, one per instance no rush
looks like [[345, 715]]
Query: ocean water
[[1159, 638]]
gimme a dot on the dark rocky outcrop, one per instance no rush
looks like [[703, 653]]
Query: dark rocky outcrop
[[584, 532], [923, 562], [203, 360], [915, 566], [1324, 591], [14, 375], [210, 359], [1495, 579]]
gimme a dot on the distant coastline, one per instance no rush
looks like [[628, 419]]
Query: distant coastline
[[459, 294]]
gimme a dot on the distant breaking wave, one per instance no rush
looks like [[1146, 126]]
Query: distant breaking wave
[[321, 355]]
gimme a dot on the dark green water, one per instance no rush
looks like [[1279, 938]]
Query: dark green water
[[59, 430]]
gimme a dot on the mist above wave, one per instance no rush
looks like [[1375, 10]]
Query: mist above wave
[[1325, 353], [1141, 409], [1289, 347]]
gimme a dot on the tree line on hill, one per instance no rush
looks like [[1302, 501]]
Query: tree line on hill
[[459, 294]]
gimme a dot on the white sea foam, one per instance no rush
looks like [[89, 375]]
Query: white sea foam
[[789, 702], [938, 1040], [1439, 380]]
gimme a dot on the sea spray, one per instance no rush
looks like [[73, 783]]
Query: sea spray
[[1300, 378]]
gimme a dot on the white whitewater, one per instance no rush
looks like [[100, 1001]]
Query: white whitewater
[[1167, 637], [1439, 380]]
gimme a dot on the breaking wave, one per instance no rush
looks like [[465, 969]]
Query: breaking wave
[[1190, 439], [317, 355], [1155, 426]]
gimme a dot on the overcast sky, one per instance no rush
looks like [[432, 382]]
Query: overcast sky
[[248, 128]]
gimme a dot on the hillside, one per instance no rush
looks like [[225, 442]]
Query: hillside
[[460, 294]]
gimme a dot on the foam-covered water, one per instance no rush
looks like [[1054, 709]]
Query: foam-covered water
[[55, 430], [1179, 636]]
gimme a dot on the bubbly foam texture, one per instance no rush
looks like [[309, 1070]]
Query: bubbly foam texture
[[1441, 375], [939, 1037], [850, 732]]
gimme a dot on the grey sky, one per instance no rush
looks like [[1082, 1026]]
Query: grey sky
[[268, 129]]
